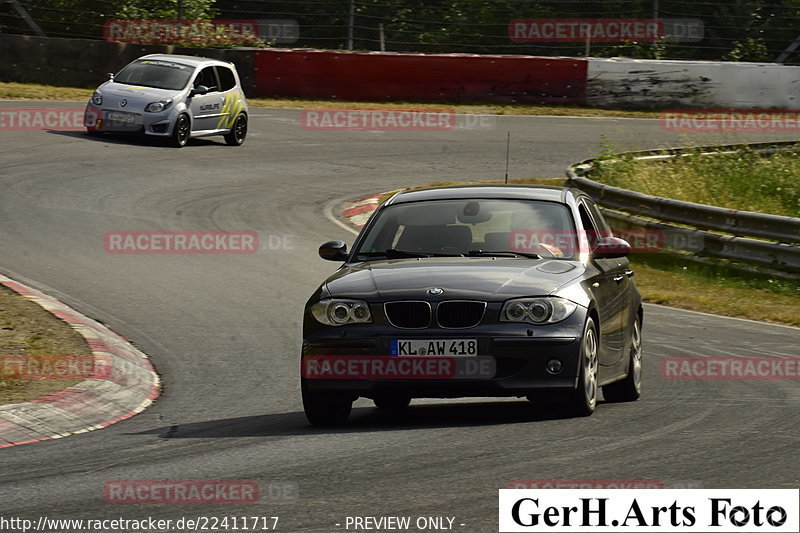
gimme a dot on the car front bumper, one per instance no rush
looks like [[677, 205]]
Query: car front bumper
[[108, 120], [515, 355]]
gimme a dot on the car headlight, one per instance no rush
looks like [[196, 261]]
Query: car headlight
[[340, 312], [97, 98], [546, 310], [157, 107]]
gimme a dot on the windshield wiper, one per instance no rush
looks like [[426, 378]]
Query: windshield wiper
[[393, 253], [486, 253]]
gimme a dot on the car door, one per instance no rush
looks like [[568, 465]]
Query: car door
[[606, 288], [231, 96], [206, 108], [622, 274]]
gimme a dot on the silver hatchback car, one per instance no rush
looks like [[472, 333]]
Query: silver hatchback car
[[171, 96]]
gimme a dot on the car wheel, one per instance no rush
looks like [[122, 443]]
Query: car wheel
[[630, 388], [392, 403], [238, 131], [94, 133], [583, 399], [181, 131], [326, 409]]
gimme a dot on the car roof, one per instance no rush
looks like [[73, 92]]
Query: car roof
[[509, 192], [193, 61]]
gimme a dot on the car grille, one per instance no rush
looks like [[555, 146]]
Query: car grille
[[460, 314], [408, 315], [452, 314]]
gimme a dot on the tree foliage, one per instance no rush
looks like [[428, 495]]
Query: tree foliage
[[166, 9], [735, 30]]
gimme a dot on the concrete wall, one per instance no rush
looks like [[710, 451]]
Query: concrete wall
[[650, 83], [443, 77], [615, 83], [84, 62]]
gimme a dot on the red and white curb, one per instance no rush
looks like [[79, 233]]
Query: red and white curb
[[129, 388], [357, 213]]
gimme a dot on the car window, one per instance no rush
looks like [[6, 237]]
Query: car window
[[600, 222], [226, 79], [594, 231], [208, 78], [586, 220], [155, 73], [456, 227]]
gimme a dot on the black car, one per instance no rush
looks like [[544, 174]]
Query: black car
[[475, 291]]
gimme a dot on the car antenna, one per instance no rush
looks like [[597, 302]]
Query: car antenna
[[508, 151]]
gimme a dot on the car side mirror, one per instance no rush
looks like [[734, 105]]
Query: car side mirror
[[200, 89], [611, 247], [110, 76], [333, 251]]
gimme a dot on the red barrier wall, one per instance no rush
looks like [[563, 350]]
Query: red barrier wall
[[387, 76]]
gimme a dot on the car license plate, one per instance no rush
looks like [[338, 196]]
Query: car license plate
[[425, 347], [121, 117]]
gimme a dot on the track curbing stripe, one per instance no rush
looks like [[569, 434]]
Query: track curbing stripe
[[357, 212], [91, 404]]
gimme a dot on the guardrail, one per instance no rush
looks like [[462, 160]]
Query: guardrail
[[703, 230]]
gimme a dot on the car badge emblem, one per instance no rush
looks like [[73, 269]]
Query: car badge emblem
[[435, 291], [123, 102]]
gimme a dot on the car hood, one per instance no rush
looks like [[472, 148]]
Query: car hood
[[137, 96], [491, 279]]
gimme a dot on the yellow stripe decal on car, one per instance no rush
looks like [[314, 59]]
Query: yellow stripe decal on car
[[230, 110]]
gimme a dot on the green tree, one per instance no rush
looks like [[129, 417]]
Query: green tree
[[166, 9]]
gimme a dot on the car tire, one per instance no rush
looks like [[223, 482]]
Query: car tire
[[95, 133], [630, 388], [238, 132], [583, 399], [326, 409], [392, 403], [181, 131]]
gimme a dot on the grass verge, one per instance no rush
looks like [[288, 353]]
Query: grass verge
[[26, 329], [31, 91], [670, 280], [745, 180]]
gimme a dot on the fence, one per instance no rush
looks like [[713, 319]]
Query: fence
[[757, 30]]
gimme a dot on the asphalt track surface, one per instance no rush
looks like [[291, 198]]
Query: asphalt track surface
[[224, 331]]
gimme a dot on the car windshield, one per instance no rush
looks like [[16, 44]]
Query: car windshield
[[472, 228], [155, 73]]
